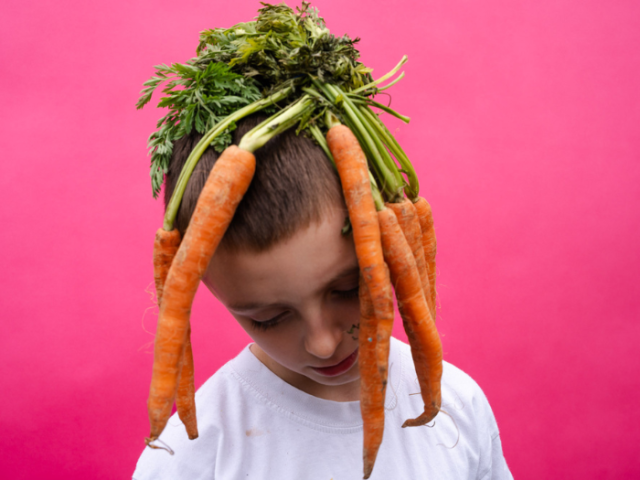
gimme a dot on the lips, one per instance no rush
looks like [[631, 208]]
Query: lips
[[338, 368]]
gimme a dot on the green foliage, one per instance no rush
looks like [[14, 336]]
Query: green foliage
[[283, 46], [237, 66], [197, 99]]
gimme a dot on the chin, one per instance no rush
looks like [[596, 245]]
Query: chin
[[348, 377]]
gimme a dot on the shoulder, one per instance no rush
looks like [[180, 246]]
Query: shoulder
[[217, 402], [465, 388], [458, 388], [466, 420]]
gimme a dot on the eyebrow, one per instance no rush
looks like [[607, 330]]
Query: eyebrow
[[352, 270]]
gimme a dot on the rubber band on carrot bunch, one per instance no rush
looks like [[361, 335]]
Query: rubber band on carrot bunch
[[286, 63]]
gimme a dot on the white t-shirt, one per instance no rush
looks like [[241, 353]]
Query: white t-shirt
[[253, 425]]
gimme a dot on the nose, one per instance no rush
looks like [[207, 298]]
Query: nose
[[322, 335]]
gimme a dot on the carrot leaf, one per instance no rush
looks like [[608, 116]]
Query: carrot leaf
[[284, 54]]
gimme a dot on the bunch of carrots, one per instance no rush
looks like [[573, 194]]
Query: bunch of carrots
[[392, 225]]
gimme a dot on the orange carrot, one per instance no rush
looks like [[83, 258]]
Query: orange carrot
[[186, 395], [426, 348], [383, 344], [371, 391], [225, 187], [410, 225], [429, 244], [165, 248], [351, 164]]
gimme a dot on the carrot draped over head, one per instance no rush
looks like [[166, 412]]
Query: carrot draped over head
[[354, 175], [371, 393], [429, 246], [410, 226], [186, 395], [165, 248], [227, 183], [426, 348]]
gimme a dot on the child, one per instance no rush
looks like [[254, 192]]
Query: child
[[287, 407]]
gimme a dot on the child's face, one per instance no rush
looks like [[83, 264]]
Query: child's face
[[298, 301]]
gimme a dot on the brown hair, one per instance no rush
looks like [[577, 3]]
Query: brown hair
[[294, 185]]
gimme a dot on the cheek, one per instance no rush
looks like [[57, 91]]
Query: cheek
[[279, 341], [285, 346], [347, 313]]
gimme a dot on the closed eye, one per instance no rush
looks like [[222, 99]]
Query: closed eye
[[267, 324], [351, 293]]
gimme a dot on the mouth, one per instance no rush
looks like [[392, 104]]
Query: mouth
[[339, 368]]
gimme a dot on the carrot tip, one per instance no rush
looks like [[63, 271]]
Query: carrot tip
[[423, 419], [149, 441]]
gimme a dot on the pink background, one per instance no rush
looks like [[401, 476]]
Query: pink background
[[525, 132]]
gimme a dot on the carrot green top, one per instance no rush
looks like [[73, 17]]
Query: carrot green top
[[288, 64]]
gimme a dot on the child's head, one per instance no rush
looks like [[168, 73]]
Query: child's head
[[293, 186], [284, 270]]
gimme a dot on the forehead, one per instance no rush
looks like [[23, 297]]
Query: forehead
[[313, 257]]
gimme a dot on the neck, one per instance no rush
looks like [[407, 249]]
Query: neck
[[348, 392]]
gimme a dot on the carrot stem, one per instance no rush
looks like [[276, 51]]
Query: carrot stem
[[393, 71], [278, 123], [393, 188], [414, 186], [384, 153], [367, 101], [375, 191], [316, 133], [391, 84], [330, 119], [392, 182], [203, 144]]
